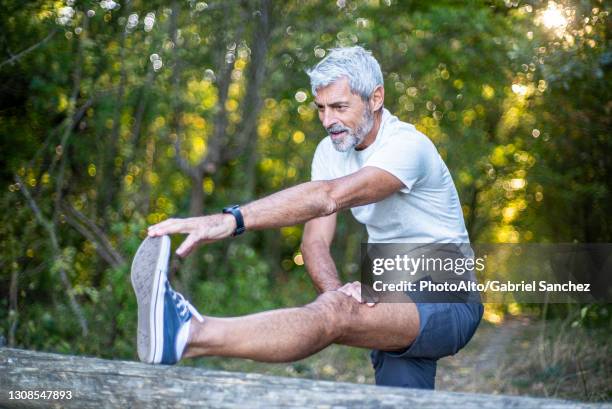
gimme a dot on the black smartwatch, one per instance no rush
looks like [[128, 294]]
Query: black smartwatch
[[235, 211]]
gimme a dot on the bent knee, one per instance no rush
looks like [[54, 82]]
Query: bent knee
[[338, 311]]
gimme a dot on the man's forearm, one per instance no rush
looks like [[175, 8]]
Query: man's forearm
[[289, 207], [321, 266]]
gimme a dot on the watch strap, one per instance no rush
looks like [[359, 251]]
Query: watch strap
[[235, 211]]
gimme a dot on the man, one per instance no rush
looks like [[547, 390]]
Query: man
[[393, 180]]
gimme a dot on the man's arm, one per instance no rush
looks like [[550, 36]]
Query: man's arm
[[316, 244], [288, 207]]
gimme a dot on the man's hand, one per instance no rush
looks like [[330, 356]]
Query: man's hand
[[354, 290], [200, 230]]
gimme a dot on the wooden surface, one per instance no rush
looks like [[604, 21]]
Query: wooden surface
[[98, 383]]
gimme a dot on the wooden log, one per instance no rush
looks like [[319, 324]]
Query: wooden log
[[98, 383]]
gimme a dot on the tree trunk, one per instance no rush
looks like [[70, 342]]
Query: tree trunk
[[109, 187], [190, 268], [97, 383], [196, 200], [13, 316]]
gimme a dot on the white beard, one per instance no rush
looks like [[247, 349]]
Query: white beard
[[353, 137]]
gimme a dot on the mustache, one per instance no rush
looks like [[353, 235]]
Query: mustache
[[337, 128]]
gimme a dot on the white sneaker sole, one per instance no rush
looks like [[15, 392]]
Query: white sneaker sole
[[149, 273]]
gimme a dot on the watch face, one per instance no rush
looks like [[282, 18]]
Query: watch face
[[229, 209]]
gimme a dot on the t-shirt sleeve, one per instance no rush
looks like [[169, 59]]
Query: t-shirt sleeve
[[408, 157], [320, 166]]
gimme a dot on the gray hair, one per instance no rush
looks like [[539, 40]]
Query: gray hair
[[355, 63]]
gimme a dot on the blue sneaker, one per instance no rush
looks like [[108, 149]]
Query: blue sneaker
[[164, 316]]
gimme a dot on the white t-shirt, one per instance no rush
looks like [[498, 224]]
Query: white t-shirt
[[426, 210]]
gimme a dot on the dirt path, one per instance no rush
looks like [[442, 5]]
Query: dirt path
[[476, 368]]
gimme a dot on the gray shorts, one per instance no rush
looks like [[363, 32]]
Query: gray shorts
[[444, 329]]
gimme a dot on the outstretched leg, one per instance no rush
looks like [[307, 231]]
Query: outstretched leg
[[294, 333], [168, 331]]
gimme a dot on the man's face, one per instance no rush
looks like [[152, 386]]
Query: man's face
[[345, 116]]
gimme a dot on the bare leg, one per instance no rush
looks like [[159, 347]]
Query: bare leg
[[294, 333]]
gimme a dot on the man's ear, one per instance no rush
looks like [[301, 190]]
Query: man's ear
[[377, 98]]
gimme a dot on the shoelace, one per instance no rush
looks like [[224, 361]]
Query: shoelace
[[182, 304]]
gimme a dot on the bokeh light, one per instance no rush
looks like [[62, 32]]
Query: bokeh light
[[553, 16]]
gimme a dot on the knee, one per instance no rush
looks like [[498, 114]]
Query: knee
[[337, 311]]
